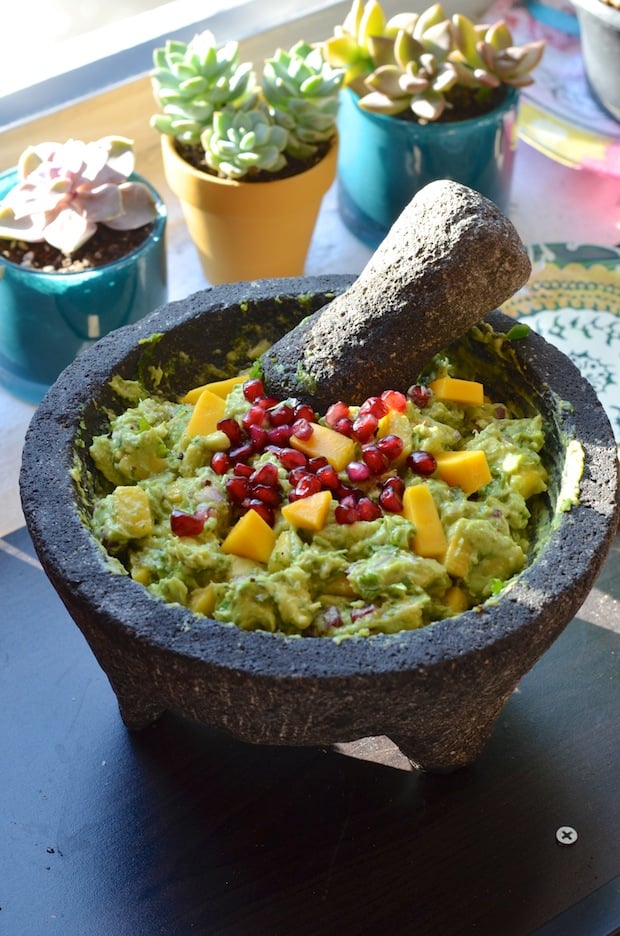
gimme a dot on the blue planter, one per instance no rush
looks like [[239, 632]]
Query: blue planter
[[384, 161], [46, 319]]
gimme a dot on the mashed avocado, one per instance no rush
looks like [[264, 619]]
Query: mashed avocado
[[379, 517]]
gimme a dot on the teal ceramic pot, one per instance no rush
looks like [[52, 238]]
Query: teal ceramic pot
[[46, 319], [383, 161]]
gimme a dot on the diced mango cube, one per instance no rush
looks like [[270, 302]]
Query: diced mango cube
[[240, 566], [208, 410], [459, 554], [527, 482], [456, 599], [420, 509], [309, 513], [202, 600], [396, 423], [466, 392], [338, 449], [467, 469], [132, 511], [251, 537], [141, 574], [221, 388]]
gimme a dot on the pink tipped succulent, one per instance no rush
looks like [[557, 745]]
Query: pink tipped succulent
[[66, 189]]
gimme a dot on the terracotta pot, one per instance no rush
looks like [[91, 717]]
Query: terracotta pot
[[599, 26], [249, 230], [46, 319], [384, 161], [436, 691]]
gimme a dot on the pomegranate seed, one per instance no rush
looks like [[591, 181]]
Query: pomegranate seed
[[258, 436], [241, 453], [345, 515], [319, 461], [375, 406], [422, 463], [267, 402], [266, 474], [328, 476], [390, 500], [500, 412], [368, 509], [395, 400], [290, 458], [391, 446], [279, 436], [419, 395], [253, 389], [307, 485], [243, 471], [304, 411], [220, 462], [237, 488], [255, 416], [262, 509], [358, 472], [232, 429], [344, 426], [302, 429], [280, 415], [365, 427], [336, 412], [267, 494], [351, 498], [185, 524], [358, 613], [375, 459], [395, 484], [296, 474], [348, 495]]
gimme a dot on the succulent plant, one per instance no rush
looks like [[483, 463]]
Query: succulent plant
[[301, 90], [191, 81], [245, 125], [425, 64], [243, 141], [66, 189]]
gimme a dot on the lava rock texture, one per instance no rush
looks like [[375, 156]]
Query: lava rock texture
[[450, 259], [436, 691]]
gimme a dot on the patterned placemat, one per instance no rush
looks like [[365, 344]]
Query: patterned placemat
[[573, 300]]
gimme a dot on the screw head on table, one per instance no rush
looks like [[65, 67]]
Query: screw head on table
[[566, 835]]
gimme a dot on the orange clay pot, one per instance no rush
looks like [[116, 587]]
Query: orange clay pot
[[249, 230]]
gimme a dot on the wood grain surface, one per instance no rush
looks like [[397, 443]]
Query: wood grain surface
[[179, 830]]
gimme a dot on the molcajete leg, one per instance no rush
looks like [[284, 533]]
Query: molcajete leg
[[443, 747], [130, 674]]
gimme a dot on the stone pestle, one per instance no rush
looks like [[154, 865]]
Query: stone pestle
[[449, 260]]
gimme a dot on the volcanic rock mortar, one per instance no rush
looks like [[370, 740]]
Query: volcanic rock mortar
[[436, 691]]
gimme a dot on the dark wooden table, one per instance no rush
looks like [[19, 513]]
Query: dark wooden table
[[178, 830]]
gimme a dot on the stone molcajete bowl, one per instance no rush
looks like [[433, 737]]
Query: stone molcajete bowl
[[436, 692]]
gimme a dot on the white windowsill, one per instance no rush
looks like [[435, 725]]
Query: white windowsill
[[58, 74]]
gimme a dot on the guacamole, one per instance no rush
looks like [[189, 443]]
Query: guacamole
[[377, 517]]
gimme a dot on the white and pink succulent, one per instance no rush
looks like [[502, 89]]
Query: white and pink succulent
[[66, 189]]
